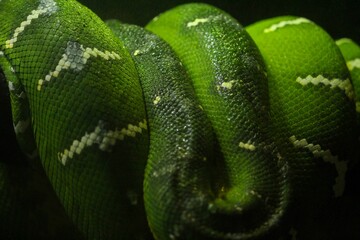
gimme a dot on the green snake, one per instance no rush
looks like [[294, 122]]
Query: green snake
[[190, 128]]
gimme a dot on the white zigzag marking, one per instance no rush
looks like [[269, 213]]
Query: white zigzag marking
[[326, 155], [197, 21], [343, 41], [282, 24], [355, 63], [45, 7], [247, 146], [344, 85], [104, 138], [228, 85], [11, 86], [157, 100], [75, 57]]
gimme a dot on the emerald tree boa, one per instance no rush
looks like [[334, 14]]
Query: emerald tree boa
[[190, 128]]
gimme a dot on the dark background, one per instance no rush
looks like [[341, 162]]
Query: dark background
[[340, 18]]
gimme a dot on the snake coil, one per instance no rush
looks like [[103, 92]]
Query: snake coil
[[193, 127]]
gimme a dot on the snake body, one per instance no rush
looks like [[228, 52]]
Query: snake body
[[192, 126]]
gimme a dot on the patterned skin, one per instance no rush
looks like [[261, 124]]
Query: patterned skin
[[244, 134]]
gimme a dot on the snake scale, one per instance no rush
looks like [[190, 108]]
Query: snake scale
[[190, 128]]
